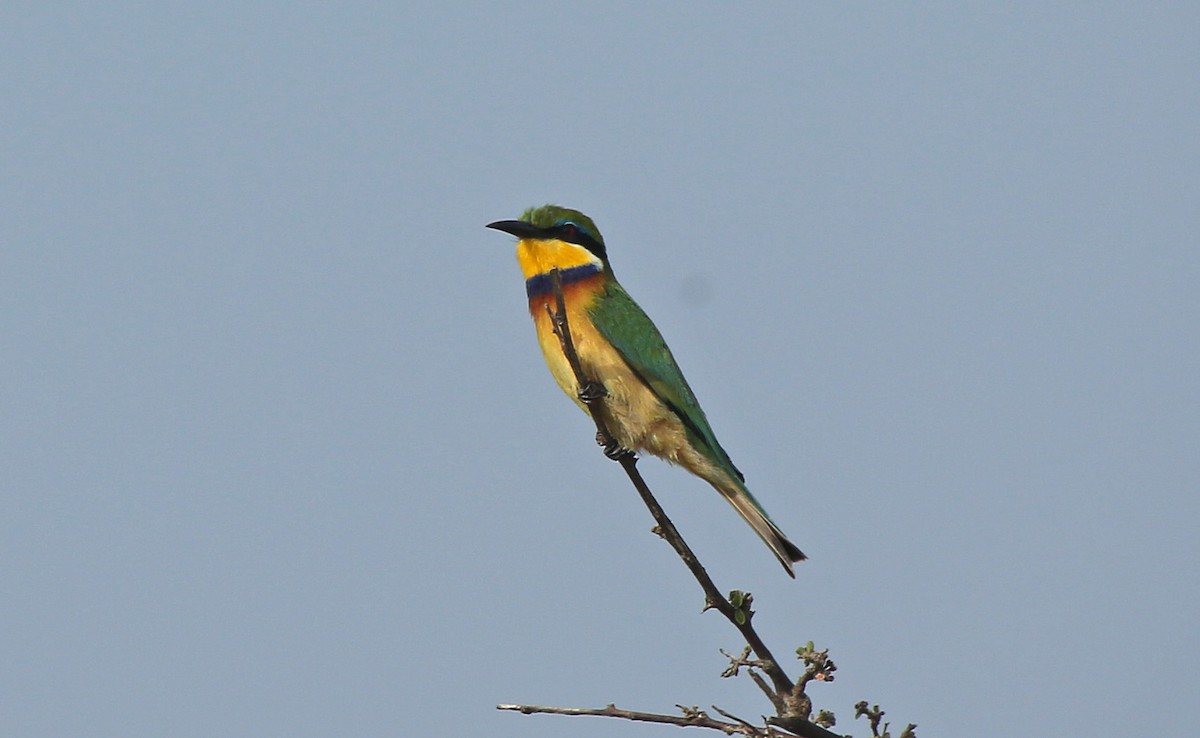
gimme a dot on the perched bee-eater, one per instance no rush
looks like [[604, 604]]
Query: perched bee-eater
[[649, 405]]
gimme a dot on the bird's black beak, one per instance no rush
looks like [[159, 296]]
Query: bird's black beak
[[518, 228]]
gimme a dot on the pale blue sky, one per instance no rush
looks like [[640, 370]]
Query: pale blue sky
[[280, 457]]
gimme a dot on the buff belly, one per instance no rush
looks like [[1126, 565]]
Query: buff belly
[[633, 413]]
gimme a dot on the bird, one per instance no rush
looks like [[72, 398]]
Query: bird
[[648, 404]]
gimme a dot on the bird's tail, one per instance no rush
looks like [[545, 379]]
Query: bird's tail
[[742, 501]]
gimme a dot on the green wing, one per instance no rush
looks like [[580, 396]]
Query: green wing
[[631, 332]]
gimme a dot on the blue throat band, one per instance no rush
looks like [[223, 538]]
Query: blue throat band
[[540, 284]]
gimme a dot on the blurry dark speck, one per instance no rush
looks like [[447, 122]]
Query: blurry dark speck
[[696, 290]]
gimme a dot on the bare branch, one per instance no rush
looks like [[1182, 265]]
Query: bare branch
[[874, 715], [692, 717], [736, 663]]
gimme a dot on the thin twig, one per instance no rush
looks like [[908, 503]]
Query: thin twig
[[735, 666], [689, 718]]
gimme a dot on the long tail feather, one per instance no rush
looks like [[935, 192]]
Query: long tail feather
[[748, 508]]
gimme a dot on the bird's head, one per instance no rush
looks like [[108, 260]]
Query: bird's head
[[551, 237]]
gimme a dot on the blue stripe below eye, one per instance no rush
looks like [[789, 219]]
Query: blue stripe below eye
[[540, 284]]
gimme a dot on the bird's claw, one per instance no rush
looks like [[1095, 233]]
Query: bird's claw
[[612, 449], [592, 392]]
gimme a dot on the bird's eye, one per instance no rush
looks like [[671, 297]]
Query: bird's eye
[[570, 230]]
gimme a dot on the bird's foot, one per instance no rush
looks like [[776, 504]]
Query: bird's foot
[[612, 449], [592, 392]]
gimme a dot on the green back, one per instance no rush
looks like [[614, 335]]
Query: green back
[[619, 319]]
